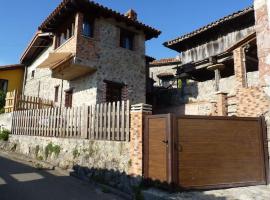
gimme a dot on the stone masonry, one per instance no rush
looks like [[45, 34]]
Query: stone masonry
[[263, 40], [102, 52], [136, 137], [239, 68]]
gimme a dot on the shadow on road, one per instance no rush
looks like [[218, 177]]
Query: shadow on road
[[22, 182]]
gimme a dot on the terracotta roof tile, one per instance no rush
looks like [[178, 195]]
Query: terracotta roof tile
[[209, 26], [165, 61], [165, 75], [150, 32]]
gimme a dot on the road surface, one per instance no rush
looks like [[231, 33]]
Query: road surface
[[22, 182]]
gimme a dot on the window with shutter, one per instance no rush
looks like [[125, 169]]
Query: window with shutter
[[68, 98], [113, 91]]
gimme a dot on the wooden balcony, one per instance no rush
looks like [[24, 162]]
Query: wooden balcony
[[65, 66]]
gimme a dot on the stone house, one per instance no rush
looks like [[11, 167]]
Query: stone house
[[220, 69], [85, 53]]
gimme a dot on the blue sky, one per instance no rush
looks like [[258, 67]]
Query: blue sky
[[19, 20]]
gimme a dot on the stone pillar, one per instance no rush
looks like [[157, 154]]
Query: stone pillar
[[217, 79], [222, 104], [137, 114], [267, 120], [262, 17], [240, 67]]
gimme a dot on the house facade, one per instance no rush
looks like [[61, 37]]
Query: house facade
[[84, 54], [11, 77], [220, 69]]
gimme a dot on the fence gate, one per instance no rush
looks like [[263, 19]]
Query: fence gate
[[157, 147], [197, 152]]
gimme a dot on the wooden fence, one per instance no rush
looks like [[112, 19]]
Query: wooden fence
[[15, 102], [109, 121]]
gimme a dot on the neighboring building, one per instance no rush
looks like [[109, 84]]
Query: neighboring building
[[84, 54], [11, 77], [163, 72], [220, 68]]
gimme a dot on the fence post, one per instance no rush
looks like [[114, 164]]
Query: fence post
[[137, 114], [84, 124], [222, 109], [15, 101]]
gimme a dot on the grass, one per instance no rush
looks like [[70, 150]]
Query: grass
[[50, 149]]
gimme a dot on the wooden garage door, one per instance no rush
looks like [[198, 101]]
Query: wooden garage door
[[220, 152]]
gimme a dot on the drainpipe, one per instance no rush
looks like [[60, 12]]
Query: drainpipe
[[61, 98], [24, 79]]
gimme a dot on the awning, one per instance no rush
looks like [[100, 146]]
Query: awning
[[54, 59]]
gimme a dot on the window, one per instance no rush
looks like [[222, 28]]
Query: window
[[3, 85], [88, 27], [166, 79], [56, 92], [126, 39], [113, 91], [33, 74], [65, 32], [68, 98]]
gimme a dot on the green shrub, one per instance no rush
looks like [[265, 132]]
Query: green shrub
[[76, 153], [2, 101], [4, 135], [50, 148]]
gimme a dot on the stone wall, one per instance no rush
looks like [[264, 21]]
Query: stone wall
[[252, 102], [106, 162], [86, 153], [5, 121], [156, 70], [118, 164], [102, 52], [200, 98], [253, 79], [198, 108], [267, 120]]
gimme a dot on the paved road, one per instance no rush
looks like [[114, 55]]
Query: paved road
[[22, 182]]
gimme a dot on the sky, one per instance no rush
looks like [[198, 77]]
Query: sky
[[20, 19]]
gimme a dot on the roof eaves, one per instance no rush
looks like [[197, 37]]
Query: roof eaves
[[9, 67], [153, 32], [165, 62], [209, 26]]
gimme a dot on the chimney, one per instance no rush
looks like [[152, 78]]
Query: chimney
[[131, 14]]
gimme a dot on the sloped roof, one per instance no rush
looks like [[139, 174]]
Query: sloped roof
[[68, 6], [165, 75], [9, 67], [165, 61], [246, 16]]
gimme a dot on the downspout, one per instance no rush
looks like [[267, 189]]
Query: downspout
[[61, 98], [24, 79]]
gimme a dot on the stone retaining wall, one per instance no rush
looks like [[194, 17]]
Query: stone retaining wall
[[86, 153], [106, 162], [5, 121]]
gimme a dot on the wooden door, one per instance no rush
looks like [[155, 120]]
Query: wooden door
[[157, 144]]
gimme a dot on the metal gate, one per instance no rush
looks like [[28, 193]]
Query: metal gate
[[201, 152]]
